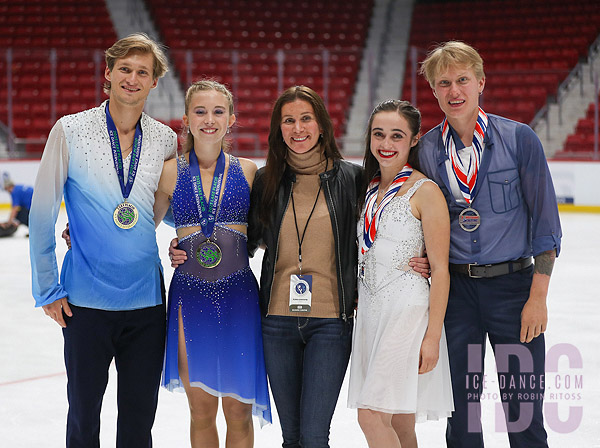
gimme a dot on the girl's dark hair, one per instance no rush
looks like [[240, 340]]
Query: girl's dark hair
[[412, 116], [276, 157]]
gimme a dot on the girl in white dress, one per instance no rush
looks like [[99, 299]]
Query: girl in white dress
[[399, 371]]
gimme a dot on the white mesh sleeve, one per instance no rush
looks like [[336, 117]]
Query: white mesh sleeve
[[45, 205]]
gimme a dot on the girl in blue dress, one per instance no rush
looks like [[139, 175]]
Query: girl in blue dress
[[214, 343]]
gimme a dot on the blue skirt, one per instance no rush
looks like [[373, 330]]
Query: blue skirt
[[222, 328]]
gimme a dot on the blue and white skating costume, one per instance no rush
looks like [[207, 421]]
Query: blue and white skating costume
[[219, 306]]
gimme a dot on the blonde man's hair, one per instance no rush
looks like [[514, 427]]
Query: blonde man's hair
[[201, 86], [137, 42], [450, 54]]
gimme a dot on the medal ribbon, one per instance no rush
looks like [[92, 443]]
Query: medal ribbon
[[466, 176], [372, 215], [136, 149], [208, 211]]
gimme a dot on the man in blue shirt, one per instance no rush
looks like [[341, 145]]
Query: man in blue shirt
[[503, 212], [21, 203], [109, 298]]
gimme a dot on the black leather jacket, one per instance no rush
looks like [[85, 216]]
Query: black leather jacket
[[342, 186]]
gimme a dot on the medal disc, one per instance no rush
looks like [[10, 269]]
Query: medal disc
[[469, 219], [208, 254], [125, 215]]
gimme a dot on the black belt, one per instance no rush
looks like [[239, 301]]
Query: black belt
[[475, 270]]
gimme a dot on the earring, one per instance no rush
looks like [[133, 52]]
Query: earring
[[229, 130]]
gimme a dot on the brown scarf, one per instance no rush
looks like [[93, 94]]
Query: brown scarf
[[311, 162]]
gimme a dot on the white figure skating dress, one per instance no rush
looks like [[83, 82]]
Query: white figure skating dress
[[393, 313]]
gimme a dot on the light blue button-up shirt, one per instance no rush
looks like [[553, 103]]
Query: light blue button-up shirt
[[514, 195]]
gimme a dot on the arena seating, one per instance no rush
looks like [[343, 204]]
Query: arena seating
[[528, 48], [74, 29], [238, 44], [255, 29], [580, 144]]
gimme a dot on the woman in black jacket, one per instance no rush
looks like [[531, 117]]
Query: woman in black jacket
[[304, 208], [303, 212]]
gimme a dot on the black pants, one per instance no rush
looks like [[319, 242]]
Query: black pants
[[492, 307], [23, 216], [135, 339]]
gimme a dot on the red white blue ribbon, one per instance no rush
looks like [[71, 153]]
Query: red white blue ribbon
[[466, 176], [372, 214]]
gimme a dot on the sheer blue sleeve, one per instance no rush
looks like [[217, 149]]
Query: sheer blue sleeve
[[538, 191]]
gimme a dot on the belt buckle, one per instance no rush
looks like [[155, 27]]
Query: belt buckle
[[469, 270]]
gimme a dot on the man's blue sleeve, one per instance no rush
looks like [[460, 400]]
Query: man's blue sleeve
[[538, 191]]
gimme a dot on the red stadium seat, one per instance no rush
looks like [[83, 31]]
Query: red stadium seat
[[31, 29], [528, 47], [257, 29]]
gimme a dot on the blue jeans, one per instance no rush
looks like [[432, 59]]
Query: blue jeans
[[492, 307], [306, 361]]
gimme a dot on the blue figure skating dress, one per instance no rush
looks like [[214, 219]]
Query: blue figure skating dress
[[219, 306]]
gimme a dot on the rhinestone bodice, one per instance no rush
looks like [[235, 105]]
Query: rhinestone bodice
[[399, 238], [233, 206]]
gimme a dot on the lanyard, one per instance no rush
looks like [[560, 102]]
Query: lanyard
[[301, 239], [118, 156], [208, 211]]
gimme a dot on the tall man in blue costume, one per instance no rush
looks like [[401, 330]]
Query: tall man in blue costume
[[110, 299], [503, 212]]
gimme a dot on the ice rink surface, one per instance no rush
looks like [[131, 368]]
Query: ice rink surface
[[33, 401]]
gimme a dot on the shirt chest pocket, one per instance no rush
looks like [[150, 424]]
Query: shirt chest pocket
[[505, 190]]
